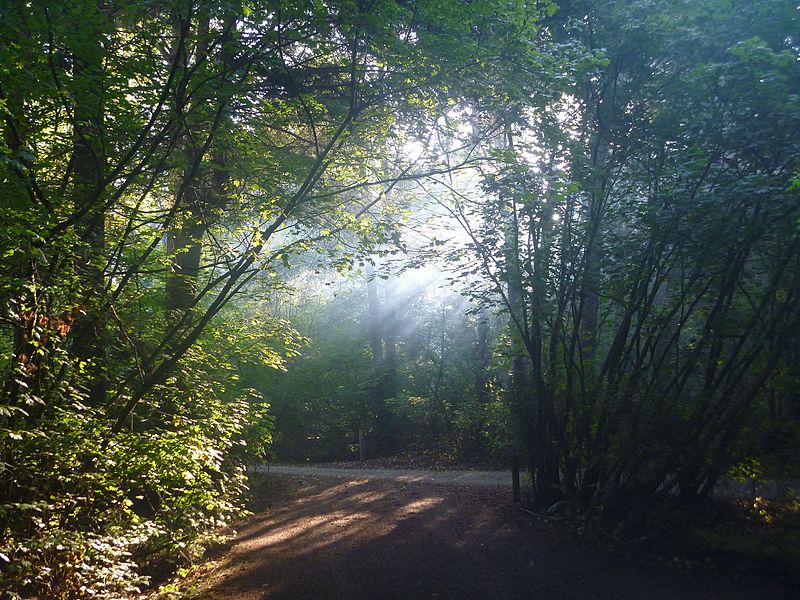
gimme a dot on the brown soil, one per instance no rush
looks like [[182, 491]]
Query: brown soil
[[430, 462], [358, 539]]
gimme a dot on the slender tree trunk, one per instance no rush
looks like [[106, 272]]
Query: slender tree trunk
[[88, 171], [186, 247], [547, 427], [591, 275], [205, 193], [387, 428], [376, 349], [375, 344], [362, 443], [518, 322], [484, 357], [390, 336]]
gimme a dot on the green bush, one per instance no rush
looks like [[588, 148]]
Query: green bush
[[88, 512]]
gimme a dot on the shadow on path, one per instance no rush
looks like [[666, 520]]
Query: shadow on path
[[379, 539]]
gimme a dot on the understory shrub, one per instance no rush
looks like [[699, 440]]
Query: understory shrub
[[87, 512]]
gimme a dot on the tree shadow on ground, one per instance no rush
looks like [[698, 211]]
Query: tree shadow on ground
[[388, 540]]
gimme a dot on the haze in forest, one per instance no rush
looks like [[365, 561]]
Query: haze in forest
[[562, 237]]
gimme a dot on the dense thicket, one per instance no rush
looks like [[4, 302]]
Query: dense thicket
[[613, 185], [650, 252]]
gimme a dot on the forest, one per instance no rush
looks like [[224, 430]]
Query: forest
[[563, 235]]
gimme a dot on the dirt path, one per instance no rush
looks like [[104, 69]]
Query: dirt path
[[470, 478], [384, 539]]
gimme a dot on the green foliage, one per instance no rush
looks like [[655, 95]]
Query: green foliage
[[638, 228], [748, 470], [62, 564], [158, 162], [82, 518]]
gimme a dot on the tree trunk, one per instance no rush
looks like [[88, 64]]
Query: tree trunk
[[186, 248], [390, 336], [88, 163], [376, 348], [204, 189], [484, 357], [362, 443]]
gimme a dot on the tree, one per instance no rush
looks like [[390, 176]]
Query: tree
[[160, 161], [650, 231]]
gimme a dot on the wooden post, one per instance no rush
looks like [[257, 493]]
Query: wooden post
[[515, 480]]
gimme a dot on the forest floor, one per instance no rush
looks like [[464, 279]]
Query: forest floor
[[319, 537]]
